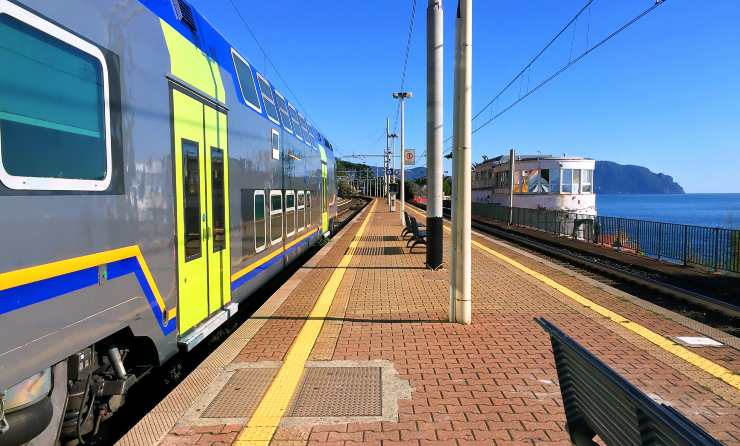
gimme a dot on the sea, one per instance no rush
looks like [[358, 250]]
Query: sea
[[715, 210]]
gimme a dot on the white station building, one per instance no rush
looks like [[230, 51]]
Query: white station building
[[563, 183]]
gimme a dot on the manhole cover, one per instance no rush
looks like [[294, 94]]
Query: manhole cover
[[241, 394], [339, 392]]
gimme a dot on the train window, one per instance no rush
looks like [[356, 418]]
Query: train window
[[246, 81], [304, 127], [276, 216], [191, 197], [54, 113], [308, 209], [275, 144], [289, 213], [260, 223], [301, 210], [310, 139], [218, 199], [283, 109], [268, 99], [296, 122]]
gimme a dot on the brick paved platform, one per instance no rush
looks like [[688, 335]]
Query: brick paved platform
[[388, 369]]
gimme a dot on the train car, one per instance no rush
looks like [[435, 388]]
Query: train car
[[151, 178]]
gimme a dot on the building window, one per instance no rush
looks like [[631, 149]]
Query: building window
[[567, 184], [276, 216], [246, 81], [587, 181], [54, 112], [576, 181], [260, 224], [538, 181], [268, 99], [555, 181], [283, 109]]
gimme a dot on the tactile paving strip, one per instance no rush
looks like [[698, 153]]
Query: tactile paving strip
[[241, 394], [339, 392]]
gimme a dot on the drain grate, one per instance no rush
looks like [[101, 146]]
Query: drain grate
[[339, 392], [241, 394]]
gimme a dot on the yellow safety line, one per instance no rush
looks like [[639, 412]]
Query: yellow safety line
[[666, 344], [266, 418], [266, 258]]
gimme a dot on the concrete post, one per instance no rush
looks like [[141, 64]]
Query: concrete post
[[462, 147], [512, 156], [435, 191]]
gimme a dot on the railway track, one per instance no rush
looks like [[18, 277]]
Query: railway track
[[709, 310]]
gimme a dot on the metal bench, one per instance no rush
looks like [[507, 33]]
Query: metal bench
[[599, 401], [418, 236], [407, 229]]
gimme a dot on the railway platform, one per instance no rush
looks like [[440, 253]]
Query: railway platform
[[356, 349]]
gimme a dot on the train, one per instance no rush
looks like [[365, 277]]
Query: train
[[151, 179]]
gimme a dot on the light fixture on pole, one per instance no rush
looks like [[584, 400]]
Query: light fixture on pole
[[402, 96]]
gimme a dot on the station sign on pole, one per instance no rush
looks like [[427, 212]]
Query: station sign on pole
[[409, 157]]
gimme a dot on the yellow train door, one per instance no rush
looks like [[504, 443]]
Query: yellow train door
[[201, 196]]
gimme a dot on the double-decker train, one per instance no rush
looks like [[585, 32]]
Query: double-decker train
[[150, 180]]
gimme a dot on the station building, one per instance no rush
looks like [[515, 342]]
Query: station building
[[562, 183]]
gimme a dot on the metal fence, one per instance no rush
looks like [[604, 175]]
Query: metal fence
[[715, 248]]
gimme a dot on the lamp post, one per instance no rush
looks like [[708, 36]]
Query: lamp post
[[435, 135], [402, 96]]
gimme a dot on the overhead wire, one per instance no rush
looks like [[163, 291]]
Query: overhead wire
[[274, 67], [571, 62], [412, 21]]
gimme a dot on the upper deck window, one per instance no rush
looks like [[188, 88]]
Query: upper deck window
[[283, 109], [296, 122], [246, 81], [268, 99], [304, 127], [54, 113]]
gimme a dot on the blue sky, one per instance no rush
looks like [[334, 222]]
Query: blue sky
[[663, 94]]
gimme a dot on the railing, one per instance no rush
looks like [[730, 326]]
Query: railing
[[714, 248]]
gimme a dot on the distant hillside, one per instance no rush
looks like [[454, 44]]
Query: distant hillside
[[613, 178]]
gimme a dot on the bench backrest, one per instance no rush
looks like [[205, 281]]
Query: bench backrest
[[415, 228], [597, 400]]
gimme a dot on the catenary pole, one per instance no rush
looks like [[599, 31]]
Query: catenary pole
[[387, 161], [512, 156], [461, 229], [435, 55]]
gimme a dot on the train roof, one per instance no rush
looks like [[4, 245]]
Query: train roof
[[195, 27]]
